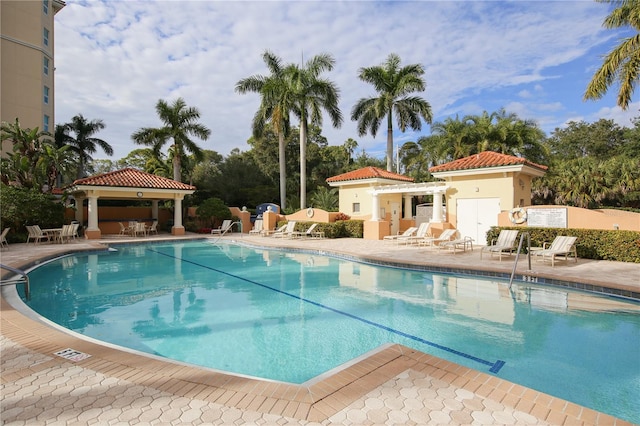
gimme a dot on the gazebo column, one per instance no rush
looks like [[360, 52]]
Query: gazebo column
[[93, 231], [407, 206], [437, 207], [154, 209], [375, 208], [177, 229]]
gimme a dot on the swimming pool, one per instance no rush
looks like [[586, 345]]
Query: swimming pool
[[290, 316]]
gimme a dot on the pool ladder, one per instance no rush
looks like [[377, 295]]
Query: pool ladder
[[515, 263], [24, 279], [237, 223]]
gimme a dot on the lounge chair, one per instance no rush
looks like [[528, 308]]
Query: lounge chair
[[311, 232], [36, 234], [288, 230], [506, 243], [562, 246], [257, 227], [446, 235], [407, 233], [3, 238], [422, 233], [457, 244], [226, 226], [268, 232]]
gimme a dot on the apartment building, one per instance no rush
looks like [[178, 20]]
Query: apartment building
[[27, 66]]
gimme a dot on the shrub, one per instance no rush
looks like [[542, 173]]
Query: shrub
[[212, 210], [21, 206]]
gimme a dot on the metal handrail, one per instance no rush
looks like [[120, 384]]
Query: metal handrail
[[19, 272], [515, 263]]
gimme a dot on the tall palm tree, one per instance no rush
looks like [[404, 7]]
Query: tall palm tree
[[454, 135], [275, 107], [310, 94], [622, 64], [84, 144], [394, 85], [179, 122]]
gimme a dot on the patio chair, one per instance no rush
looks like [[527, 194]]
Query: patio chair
[[506, 243], [226, 226], [407, 233], [562, 246], [311, 232], [257, 227], [446, 235], [66, 234], [140, 229], [36, 234], [153, 228], [422, 233], [288, 230], [460, 244], [268, 232], [3, 238]]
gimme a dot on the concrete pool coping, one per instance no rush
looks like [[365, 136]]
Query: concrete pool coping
[[339, 398]]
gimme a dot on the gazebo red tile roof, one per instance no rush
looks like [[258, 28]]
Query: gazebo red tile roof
[[132, 178], [369, 173], [483, 160]]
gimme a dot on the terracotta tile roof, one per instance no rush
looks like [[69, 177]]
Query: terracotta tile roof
[[132, 178], [369, 173], [483, 160]]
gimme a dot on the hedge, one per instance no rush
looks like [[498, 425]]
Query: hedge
[[337, 229], [596, 244]]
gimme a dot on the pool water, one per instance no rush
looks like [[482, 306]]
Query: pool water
[[290, 316]]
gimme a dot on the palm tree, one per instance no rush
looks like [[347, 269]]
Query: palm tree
[[453, 134], [393, 84], [84, 144], [179, 122], [275, 107], [622, 64], [310, 94]]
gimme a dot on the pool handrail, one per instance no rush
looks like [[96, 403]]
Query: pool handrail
[[515, 263], [13, 282]]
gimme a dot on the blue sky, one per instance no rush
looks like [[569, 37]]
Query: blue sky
[[115, 59]]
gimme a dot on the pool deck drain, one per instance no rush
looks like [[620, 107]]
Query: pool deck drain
[[395, 385]]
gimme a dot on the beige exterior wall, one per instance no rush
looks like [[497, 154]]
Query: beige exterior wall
[[23, 80], [351, 194], [578, 218], [511, 188]]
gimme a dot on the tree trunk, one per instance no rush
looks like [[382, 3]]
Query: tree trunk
[[389, 143], [176, 167], [283, 171], [303, 164]]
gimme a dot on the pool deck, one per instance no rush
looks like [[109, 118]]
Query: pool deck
[[395, 385]]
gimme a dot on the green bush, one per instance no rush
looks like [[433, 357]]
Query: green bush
[[596, 244], [21, 206], [213, 211], [338, 229]]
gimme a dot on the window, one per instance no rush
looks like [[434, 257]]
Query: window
[[45, 35], [45, 63], [46, 95], [45, 121], [356, 207], [45, 6]]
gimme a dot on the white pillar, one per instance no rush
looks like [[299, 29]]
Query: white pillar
[[93, 214], [437, 207], [177, 213], [407, 206], [154, 209], [375, 213]]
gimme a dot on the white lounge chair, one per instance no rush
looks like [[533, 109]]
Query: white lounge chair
[[257, 227], [268, 232], [226, 226], [446, 235], [311, 232], [458, 244], [407, 233], [36, 234], [422, 233], [288, 230], [506, 243], [3, 238], [562, 246]]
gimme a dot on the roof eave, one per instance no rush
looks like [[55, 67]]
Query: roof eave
[[512, 168]]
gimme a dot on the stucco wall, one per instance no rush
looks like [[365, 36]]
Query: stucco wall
[[587, 219]]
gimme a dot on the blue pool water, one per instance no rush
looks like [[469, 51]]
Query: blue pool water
[[291, 316]]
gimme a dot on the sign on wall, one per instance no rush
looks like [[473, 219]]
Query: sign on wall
[[547, 218]]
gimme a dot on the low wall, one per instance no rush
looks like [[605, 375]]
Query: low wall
[[579, 218]]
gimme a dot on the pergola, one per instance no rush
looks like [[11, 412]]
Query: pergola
[[128, 184], [409, 190]]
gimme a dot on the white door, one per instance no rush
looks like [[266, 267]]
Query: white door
[[395, 218], [476, 216]]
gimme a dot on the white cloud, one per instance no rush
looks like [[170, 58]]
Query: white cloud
[[116, 59]]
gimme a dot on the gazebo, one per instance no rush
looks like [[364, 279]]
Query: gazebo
[[127, 184]]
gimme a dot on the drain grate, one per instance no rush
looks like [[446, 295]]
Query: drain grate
[[72, 355]]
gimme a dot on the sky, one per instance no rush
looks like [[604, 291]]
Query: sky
[[115, 59]]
